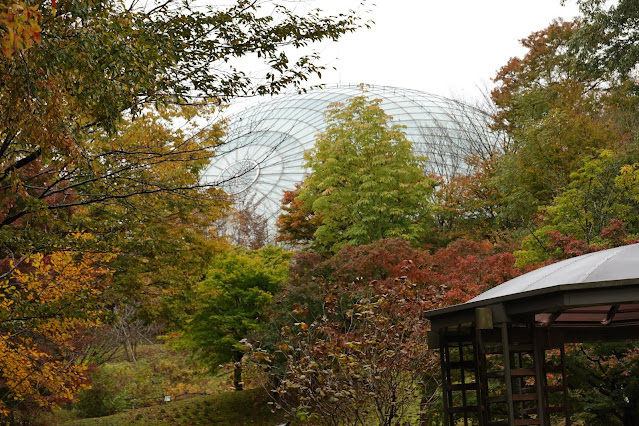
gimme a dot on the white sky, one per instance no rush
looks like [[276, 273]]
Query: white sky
[[446, 47]]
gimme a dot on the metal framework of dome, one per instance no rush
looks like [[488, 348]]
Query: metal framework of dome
[[494, 349], [263, 152]]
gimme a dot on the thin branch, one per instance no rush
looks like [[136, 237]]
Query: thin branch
[[5, 144], [21, 163]]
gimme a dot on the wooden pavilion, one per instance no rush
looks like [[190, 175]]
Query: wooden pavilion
[[502, 353]]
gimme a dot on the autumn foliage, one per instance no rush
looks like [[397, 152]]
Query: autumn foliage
[[99, 102], [103, 216], [21, 27], [298, 223], [45, 305], [346, 339]]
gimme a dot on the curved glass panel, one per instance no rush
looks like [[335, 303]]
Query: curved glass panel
[[263, 152]]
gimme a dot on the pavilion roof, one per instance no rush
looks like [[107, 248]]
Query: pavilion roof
[[604, 278]]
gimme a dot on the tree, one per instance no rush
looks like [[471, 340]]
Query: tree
[[87, 94], [365, 182], [526, 86], [21, 27], [468, 206], [604, 379], [43, 307], [345, 340], [607, 43], [555, 114], [164, 240], [245, 226], [232, 299], [368, 358], [156, 246], [298, 223], [596, 196]]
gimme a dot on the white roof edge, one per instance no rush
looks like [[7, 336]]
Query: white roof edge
[[616, 264]]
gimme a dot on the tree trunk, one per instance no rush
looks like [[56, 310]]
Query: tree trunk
[[237, 373]]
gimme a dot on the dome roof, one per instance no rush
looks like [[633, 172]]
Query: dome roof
[[263, 153], [611, 266]]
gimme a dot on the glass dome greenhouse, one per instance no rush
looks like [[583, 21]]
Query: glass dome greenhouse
[[263, 152]]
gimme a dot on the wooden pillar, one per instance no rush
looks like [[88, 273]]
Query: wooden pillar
[[564, 379], [507, 373], [443, 359], [480, 378], [539, 345]]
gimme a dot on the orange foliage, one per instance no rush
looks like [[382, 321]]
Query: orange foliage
[[468, 268], [298, 223], [43, 307], [20, 26]]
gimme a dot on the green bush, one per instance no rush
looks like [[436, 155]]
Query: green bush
[[106, 395]]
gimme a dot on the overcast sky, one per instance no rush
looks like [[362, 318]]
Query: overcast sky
[[447, 47]]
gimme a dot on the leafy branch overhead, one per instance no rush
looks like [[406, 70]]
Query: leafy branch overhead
[[96, 61], [101, 135]]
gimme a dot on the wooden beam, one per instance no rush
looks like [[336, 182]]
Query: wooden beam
[[611, 314], [593, 334], [551, 319]]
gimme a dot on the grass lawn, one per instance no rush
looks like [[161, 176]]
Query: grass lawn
[[247, 407]]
